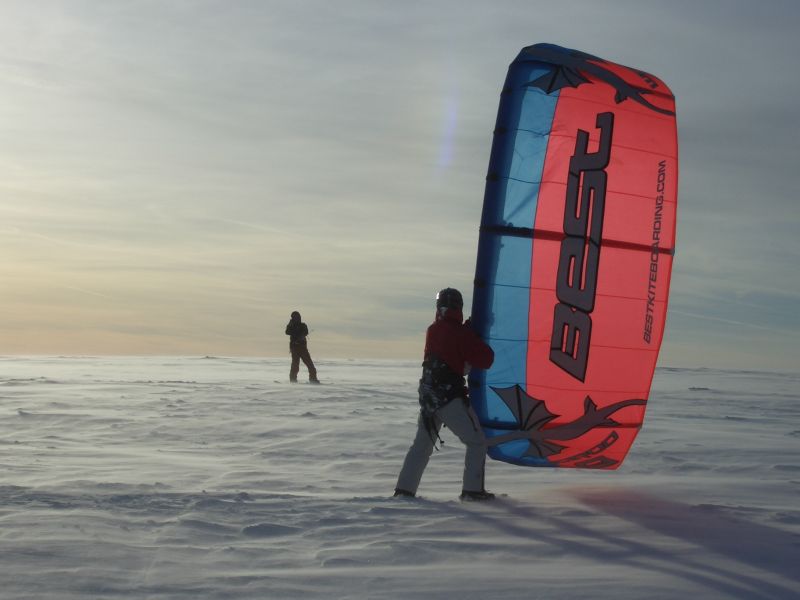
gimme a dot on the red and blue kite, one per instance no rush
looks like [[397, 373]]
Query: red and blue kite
[[576, 244]]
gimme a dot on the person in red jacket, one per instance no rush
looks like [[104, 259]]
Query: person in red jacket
[[451, 349]]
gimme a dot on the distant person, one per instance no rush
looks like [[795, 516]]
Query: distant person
[[451, 348], [298, 346]]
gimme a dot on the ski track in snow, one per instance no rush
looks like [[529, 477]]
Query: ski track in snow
[[203, 478]]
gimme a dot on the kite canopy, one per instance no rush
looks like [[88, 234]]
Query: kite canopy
[[574, 259]]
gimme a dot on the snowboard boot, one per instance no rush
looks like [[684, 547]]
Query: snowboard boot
[[476, 496]]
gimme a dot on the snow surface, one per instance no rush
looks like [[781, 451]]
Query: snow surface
[[205, 478]]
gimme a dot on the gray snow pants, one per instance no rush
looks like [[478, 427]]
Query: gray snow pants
[[461, 420]]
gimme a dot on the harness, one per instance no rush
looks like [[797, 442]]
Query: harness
[[438, 386]]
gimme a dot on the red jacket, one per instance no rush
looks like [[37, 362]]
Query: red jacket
[[456, 343]]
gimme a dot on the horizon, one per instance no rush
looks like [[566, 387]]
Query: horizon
[[321, 360]]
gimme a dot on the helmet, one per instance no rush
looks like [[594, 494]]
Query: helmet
[[296, 315], [449, 298]]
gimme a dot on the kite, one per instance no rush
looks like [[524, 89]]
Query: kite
[[575, 252]]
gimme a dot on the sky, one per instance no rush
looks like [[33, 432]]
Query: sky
[[176, 177]]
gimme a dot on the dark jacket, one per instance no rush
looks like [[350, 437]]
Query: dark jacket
[[297, 332]]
